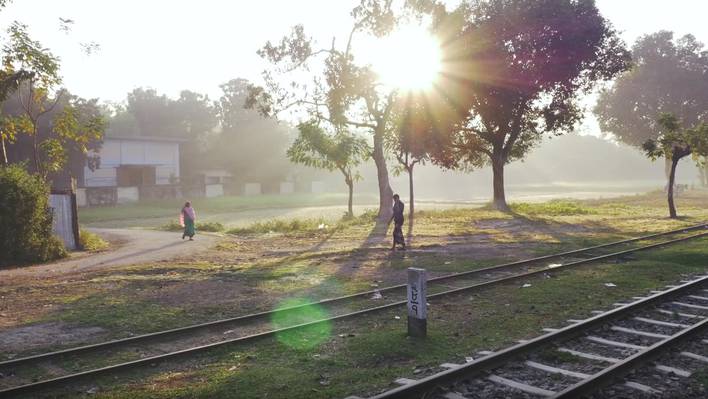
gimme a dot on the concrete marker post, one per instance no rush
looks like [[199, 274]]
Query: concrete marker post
[[417, 305]]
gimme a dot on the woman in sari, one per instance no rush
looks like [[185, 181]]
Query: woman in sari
[[187, 219]]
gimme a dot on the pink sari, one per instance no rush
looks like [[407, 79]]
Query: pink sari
[[191, 214]]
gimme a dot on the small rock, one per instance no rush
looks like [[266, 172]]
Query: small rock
[[92, 391], [232, 368], [527, 285], [397, 317]]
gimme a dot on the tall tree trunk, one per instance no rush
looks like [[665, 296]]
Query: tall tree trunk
[[704, 183], [3, 157], [672, 178], [385, 191], [411, 205], [350, 208], [701, 173], [499, 201], [667, 168]]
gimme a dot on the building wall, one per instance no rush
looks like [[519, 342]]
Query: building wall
[[117, 152]]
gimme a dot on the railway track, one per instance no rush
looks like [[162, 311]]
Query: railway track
[[41, 371], [588, 355]]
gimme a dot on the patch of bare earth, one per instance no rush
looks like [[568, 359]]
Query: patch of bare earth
[[42, 335]]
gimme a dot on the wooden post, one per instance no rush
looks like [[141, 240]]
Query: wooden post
[[75, 216], [417, 305]]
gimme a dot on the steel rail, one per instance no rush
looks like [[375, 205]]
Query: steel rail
[[422, 386], [40, 385], [618, 370], [329, 301]]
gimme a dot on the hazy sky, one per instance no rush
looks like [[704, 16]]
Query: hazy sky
[[184, 44]]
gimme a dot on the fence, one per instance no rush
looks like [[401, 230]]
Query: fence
[[65, 220]]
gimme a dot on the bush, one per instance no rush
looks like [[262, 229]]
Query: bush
[[282, 226], [174, 225], [25, 219], [92, 242], [210, 226]]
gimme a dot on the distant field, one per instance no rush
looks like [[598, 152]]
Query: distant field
[[240, 211], [156, 213]]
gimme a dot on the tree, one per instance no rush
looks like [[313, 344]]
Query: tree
[[669, 76], [347, 94], [24, 212], [341, 151], [515, 71], [414, 139], [249, 145], [9, 82], [675, 143], [41, 67]]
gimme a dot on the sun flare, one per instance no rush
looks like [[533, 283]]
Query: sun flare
[[408, 59]]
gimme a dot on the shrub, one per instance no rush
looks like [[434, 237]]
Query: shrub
[[174, 225], [26, 219], [283, 226], [210, 226], [91, 242]]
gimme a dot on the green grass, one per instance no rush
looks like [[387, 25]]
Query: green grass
[[214, 227], [207, 206], [365, 356], [92, 242], [120, 314], [553, 208], [296, 225]]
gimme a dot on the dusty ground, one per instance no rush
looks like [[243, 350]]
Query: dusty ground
[[160, 282], [128, 247]]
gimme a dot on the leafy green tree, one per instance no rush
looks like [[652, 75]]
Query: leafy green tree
[[9, 82], [413, 141], [26, 235], [669, 76], [674, 143], [21, 53], [68, 135], [341, 151], [346, 95], [515, 71]]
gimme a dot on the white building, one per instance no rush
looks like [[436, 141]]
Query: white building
[[135, 161], [132, 164]]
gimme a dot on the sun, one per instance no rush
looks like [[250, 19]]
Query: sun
[[408, 59]]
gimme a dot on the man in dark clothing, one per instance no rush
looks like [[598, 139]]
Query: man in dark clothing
[[397, 219]]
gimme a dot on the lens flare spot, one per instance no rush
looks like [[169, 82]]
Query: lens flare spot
[[296, 311]]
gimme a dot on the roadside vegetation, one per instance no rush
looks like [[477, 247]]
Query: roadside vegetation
[[26, 234], [92, 242]]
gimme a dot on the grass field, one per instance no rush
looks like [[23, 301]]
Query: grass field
[[259, 267]]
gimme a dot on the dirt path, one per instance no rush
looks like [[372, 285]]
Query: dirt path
[[131, 247]]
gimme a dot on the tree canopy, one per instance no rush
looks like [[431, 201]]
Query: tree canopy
[[674, 143], [341, 151], [515, 70], [220, 134], [344, 92], [669, 76]]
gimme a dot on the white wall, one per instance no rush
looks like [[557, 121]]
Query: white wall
[[116, 152]]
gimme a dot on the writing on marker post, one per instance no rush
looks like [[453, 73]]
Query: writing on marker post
[[417, 305]]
